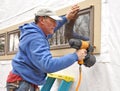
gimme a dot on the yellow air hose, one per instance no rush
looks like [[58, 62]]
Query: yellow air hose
[[80, 77]]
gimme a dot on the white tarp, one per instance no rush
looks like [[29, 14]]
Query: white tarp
[[15, 11], [104, 76]]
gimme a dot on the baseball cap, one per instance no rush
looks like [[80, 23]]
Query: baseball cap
[[47, 12]]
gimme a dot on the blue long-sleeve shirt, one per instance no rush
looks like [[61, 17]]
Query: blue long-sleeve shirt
[[34, 60]]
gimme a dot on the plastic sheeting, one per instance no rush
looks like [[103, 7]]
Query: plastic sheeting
[[16, 11], [104, 75], [114, 43]]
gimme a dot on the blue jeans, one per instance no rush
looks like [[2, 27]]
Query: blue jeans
[[22, 86]]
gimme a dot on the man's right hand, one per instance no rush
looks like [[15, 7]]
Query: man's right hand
[[81, 53]]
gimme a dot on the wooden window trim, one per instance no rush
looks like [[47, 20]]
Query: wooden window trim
[[8, 41]]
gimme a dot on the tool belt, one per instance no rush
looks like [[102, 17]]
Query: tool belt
[[12, 86]]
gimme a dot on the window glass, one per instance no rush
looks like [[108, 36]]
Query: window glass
[[81, 25], [2, 44], [13, 41]]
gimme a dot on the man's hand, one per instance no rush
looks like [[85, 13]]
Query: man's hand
[[72, 12], [81, 53]]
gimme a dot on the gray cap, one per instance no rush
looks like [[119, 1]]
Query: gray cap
[[47, 12]]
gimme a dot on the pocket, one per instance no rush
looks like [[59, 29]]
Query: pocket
[[11, 86], [24, 86]]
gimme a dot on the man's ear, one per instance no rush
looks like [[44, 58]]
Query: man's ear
[[41, 20]]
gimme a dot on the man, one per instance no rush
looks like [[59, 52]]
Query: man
[[34, 60]]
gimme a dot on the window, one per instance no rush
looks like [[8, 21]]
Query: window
[[87, 24], [81, 27], [58, 40], [13, 41], [2, 44]]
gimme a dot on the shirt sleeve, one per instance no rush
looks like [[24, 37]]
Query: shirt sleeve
[[43, 60]]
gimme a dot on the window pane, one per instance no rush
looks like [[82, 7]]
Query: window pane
[[59, 37], [13, 39], [81, 25], [2, 44]]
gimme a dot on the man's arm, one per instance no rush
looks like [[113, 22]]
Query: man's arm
[[71, 14]]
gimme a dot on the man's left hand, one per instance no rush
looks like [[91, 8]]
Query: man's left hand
[[72, 12]]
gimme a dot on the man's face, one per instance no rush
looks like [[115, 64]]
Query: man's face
[[49, 25]]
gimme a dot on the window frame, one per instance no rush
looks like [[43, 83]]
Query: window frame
[[8, 41], [88, 10]]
